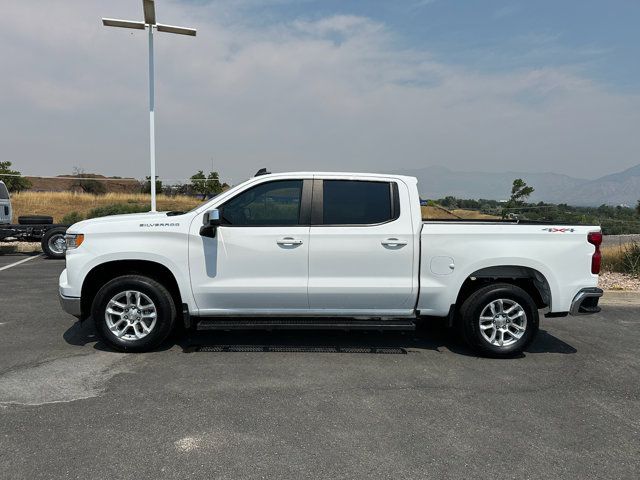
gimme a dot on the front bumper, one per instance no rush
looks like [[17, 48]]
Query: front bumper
[[586, 301], [71, 305]]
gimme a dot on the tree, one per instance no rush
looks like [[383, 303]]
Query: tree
[[146, 186], [13, 183], [206, 186], [213, 183], [638, 208], [520, 191], [199, 183]]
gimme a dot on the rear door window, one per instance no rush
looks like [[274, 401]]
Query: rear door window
[[348, 202]]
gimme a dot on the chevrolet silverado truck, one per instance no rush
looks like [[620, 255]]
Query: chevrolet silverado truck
[[323, 251]]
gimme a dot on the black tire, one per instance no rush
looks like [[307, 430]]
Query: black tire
[[35, 220], [474, 306], [156, 293], [50, 242]]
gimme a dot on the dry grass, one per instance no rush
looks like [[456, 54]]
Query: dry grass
[[474, 215], [59, 204], [611, 257], [436, 212]]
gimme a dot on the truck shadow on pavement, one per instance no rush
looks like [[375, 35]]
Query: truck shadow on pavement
[[434, 337]]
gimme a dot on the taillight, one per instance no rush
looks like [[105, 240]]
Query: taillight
[[595, 238]]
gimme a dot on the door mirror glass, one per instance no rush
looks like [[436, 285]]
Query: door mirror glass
[[212, 218], [210, 221]]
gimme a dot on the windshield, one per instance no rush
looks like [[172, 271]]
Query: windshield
[[4, 194]]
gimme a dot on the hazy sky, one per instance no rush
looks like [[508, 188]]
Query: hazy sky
[[361, 85]]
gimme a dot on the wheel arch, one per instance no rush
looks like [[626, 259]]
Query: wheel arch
[[529, 279], [99, 275]]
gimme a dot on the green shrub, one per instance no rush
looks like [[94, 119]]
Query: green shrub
[[117, 209], [71, 218], [91, 186]]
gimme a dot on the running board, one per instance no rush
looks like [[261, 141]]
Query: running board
[[302, 324]]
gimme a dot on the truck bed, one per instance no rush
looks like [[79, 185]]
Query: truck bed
[[556, 256]]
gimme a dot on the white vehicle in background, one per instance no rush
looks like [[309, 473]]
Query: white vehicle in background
[[325, 250], [33, 228], [6, 213]]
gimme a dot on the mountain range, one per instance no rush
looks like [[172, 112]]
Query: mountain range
[[621, 188]]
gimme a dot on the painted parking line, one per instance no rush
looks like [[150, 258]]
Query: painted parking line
[[7, 267]]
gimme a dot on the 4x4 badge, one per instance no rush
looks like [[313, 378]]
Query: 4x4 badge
[[558, 230]]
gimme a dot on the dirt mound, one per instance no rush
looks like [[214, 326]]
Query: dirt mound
[[70, 183]]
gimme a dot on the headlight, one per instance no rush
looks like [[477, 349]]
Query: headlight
[[74, 240]]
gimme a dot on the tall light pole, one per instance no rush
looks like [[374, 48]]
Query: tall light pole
[[148, 6]]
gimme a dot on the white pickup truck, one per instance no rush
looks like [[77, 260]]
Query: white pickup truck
[[325, 250]]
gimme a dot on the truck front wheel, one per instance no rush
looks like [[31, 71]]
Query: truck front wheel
[[499, 320], [133, 313]]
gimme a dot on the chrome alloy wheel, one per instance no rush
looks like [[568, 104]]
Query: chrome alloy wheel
[[130, 315], [503, 322], [57, 244]]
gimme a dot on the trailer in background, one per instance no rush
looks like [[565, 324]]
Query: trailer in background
[[50, 235], [33, 228]]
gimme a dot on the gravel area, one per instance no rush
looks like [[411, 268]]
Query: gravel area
[[619, 281]]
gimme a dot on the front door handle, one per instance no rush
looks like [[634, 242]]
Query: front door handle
[[393, 242], [288, 241]]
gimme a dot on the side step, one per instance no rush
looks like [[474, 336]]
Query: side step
[[302, 324]]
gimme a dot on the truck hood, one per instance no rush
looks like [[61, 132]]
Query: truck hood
[[123, 222]]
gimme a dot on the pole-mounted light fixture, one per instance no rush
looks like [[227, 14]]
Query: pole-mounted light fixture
[[148, 6]]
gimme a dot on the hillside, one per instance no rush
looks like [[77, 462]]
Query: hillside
[[65, 183], [59, 204], [615, 189]]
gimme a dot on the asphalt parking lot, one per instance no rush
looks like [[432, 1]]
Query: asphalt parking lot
[[310, 405]]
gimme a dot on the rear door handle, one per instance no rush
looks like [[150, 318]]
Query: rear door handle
[[286, 241], [393, 242]]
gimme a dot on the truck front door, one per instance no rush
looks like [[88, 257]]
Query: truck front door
[[257, 263]]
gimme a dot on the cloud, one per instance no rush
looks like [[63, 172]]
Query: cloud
[[335, 92], [506, 11], [423, 3]]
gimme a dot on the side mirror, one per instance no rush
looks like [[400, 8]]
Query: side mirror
[[210, 221]]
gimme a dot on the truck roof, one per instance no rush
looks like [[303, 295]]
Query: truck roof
[[343, 174]]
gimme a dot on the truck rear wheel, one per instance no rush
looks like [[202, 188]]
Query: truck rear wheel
[[53, 242], [499, 320], [133, 313]]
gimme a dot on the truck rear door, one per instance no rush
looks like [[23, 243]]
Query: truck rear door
[[361, 253]]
